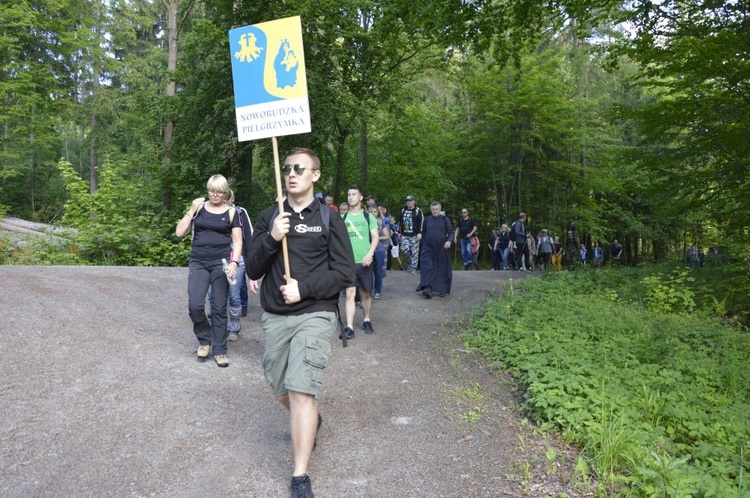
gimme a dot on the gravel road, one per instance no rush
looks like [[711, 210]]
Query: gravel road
[[103, 395]]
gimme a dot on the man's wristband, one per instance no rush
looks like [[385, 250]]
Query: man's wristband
[[236, 262]]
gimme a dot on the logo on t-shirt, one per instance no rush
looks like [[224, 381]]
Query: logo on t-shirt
[[301, 228]]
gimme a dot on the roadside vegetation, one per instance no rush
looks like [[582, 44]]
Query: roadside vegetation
[[645, 369]]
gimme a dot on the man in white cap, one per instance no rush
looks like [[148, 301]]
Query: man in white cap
[[411, 223]]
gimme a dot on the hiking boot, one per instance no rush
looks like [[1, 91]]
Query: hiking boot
[[302, 487], [232, 337], [349, 333], [427, 292], [367, 327], [222, 360], [204, 350]]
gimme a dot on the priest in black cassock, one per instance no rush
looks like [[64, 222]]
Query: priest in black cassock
[[435, 269]]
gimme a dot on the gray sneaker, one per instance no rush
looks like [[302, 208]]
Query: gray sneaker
[[302, 487]]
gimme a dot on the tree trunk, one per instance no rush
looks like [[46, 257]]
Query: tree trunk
[[363, 152], [340, 153], [245, 163], [172, 35], [94, 96], [32, 186]]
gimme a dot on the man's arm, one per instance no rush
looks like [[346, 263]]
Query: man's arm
[[263, 248], [448, 233], [473, 228], [418, 224], [374, 240]]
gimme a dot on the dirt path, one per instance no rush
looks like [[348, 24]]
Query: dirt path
[[102, 396]]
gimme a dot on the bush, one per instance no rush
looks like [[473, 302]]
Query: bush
[[657, 399]]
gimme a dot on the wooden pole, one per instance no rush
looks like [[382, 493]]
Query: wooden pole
[[280, 202]]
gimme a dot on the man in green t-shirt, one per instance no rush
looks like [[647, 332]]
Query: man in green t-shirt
[[363, 234]]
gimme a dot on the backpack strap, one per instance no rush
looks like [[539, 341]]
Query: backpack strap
[[325, 215], [192, 224], [367, 220]]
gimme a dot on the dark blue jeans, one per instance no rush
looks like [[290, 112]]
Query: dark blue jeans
[[465, 250], [379, 266]]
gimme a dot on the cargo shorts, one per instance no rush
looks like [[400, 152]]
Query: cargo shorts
[[297, 348]]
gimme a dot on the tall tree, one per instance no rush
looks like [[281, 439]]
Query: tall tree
[[38, 52], [696, 55]]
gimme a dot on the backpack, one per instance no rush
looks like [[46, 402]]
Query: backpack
[[367, 219], [247, 228]]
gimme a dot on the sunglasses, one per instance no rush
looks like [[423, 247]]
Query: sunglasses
[[298, 168]]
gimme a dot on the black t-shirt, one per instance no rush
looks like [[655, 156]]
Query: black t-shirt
[[504, 240], [465, 226], [212, 235], [411, 222]]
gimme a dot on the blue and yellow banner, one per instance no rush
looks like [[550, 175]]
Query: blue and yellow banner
[[270, 86]]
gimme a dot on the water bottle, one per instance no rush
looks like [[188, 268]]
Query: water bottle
[[232, 280]]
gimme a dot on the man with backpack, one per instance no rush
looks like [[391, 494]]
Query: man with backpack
[[411, 223], [465, 230], [364, 238], [300, 310]]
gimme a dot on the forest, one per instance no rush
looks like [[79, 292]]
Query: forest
[[629, 119]]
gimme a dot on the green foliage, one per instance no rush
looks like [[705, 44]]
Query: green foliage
[[658, 400], [114, 230], [641, 138], [670, 294], [37, 251]]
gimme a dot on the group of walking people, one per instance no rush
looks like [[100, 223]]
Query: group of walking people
[[514, 248], [329, 251]]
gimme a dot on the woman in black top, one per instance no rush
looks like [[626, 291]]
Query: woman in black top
[[215, 226], [504, 245]]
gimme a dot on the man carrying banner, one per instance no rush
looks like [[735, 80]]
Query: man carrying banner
[[300, 315]]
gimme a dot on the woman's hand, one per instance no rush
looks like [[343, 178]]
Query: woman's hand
[[197, 202], [231, 269]]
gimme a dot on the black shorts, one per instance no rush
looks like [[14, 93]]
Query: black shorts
[[366, 277]]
